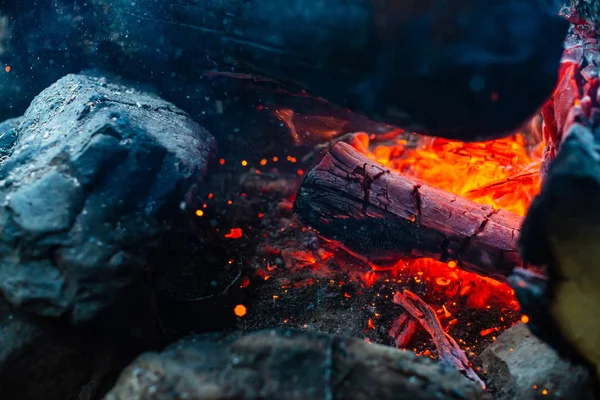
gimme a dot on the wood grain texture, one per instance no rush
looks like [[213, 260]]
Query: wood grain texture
[[382, 216]]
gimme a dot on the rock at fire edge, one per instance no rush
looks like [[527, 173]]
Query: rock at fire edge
[[287, 364], [520, 367], [93, 172]]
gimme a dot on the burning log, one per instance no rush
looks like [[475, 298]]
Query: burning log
[[381, 216], [288, 364], [380, 58], [562, 228]]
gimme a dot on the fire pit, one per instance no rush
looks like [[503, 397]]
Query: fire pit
[[181, 230]]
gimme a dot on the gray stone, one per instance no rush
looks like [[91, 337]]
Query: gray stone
[[285, 364], [519, 366], [92, 175], [8, 137]]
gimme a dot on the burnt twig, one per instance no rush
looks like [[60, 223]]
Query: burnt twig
[[449, 352]]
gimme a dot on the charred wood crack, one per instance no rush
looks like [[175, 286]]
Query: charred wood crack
[[467, 240], [417, 197]]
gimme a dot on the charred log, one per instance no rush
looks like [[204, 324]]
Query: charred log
[[562, 227], [288, 364], [381, 217], [380, 58]]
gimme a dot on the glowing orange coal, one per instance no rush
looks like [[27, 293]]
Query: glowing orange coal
[[502, 173]]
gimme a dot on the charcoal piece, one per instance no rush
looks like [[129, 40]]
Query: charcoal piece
[[97, 172], [449, 352], [287, 364], [460, 70], [521, 367]]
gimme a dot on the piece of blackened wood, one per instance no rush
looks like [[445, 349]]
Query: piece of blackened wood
[[562, 227], [285, 365], [382, 216]]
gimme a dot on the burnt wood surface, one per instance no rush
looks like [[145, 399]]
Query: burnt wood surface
[[440, 68], [562, 227], [382, 216], [449, 352], [288, 364]]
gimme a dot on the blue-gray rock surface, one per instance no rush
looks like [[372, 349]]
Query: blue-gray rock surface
[[89, 178]]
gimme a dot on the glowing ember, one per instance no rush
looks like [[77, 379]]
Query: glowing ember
[[234, 233], [240, 310], [305, 275], [501, 173]]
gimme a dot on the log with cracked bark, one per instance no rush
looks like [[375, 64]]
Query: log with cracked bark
[[382, 216], [562, 227], [288, 364]]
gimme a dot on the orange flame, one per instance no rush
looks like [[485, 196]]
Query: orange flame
[[502, 173]]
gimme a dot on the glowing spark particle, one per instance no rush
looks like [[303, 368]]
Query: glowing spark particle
[[245, 282], [7, 68], [371, 324], [244, 163], [486, 332], [199, 213], [524, 319], [446, 312], [222, 161], [240, 310], [263, 162]]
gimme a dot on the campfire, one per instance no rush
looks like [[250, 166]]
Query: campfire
[[373, 274], [286, 200]]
